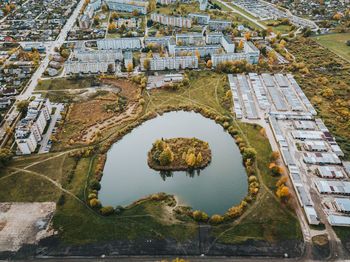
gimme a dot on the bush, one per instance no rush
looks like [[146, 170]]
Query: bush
[[118, 209], [200, 216], [95, 185], [95, 203], [61, 200], [107, 210], [92, 195], [216, 219], [249, 153]]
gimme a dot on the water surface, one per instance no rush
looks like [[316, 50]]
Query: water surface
[[127, 176]]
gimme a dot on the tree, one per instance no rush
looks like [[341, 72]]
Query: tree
[[209, 63], [95, 203], [228, 94], [283, 43], [64, 53], [247, 36], [241, 44], [216, 219], [107, 210], [22, 106], [135, 13], [249, 153], [274, 155], [191, 159], [5, 156], [112, 27], [129, 67], [276, 169], [114, 15], [150, 54], [153, 5], [96, 20], [147, 64], [283, 192], [110, 68], [200, 216], [95, 185], [337, 16], [348, 43], [104, 7], [199, 158], [166, 157]]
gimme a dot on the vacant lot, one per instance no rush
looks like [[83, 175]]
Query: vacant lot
[[63, 83], [336, 43]]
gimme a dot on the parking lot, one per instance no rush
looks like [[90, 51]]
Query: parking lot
[[45, 143]]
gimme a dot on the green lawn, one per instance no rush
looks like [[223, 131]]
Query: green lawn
[[336, 43], [63, 83], [283, 29]]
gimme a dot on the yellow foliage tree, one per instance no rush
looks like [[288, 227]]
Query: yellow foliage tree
[[129, 67], [199, 158], [191, 159], [209, 63], [241, 44]]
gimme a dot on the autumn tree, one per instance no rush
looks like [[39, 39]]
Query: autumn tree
[[110, 68], [200, 216], [283, 192], [147, 64], [216, 219], [337, 16], [274, 156], [129, 67], [135, 13], [228, 94], [199, 158], [111, 27], [209, 63], [114, 15], [191, 159], [241, 44], [166, 157], [249, 153], [22, 107], [5, 156]]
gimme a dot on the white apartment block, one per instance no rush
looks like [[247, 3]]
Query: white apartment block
[[219, 25], [29, 129], [227, 44], [202, 19], [78, 67], [172, 20], [250, 53], [127, 6], [98, 55], [189, 39], [213, 38], [161, 40], [203, 50], [119, 44], [170, 63], [165, 2]]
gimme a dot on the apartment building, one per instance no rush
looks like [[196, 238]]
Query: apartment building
[[170, 63], [96, 67], [161, 40], [219, 25], [172, 20], [119, 44], [29, 129], [202, 19], [213, 38], [189, 39], [127, 6], [98, 55]]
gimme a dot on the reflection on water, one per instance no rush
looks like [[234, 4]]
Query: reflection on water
[[214, 189], [164, 174]]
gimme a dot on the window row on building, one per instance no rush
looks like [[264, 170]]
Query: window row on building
[[170, 63]]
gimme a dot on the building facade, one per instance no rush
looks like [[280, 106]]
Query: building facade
[[202, 19], [119, 44], [189, 39], [219, 25], [96, 67], [127, 6], [29, 129], [170, 63], [172, 20]]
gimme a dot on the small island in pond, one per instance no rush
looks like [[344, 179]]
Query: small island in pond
[[179, 154]]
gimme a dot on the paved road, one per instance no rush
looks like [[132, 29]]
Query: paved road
[[46, 137], [50, 46]]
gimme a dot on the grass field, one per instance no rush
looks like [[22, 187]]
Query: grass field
[[335, 43], [283, 29], [45, 178], [63, 83]]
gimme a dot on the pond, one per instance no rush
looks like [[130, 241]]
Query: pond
[[127, 176]]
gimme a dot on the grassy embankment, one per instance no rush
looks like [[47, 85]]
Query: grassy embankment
[[265, 218], [336, 43]]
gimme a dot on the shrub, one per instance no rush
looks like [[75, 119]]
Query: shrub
[[92, 195], [249, 153], [95, 203], [200, 216], [107, 210], [118, 209], [61, 200], [216, 219], [95, 185]]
